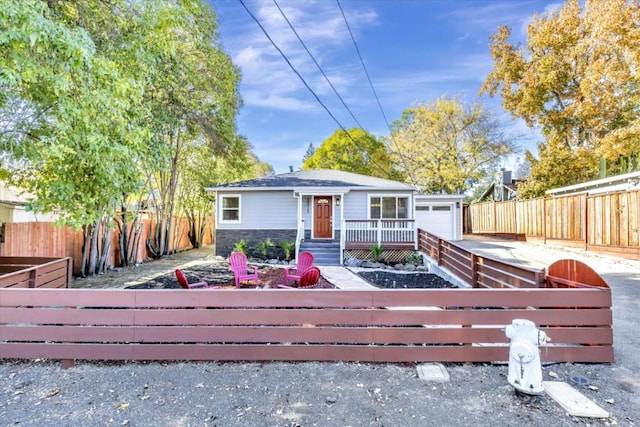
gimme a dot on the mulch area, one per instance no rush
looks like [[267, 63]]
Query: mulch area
[[221, 276], [394, 280]]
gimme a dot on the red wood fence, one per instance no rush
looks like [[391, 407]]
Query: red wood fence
[[459, 325], [475, 270], [30, 272], [45, 239], [603, 222]]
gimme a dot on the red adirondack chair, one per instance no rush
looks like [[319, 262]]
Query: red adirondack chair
[[184, 283], [309, 279], [293, 274], [238, 264]]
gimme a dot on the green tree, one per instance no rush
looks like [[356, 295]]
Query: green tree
[[204, 169], [68, 153], [577, 80], [444, 146], [355, 150], [98, 98]]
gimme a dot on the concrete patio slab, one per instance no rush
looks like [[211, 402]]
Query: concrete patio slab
[[433, 372], [574, 402]]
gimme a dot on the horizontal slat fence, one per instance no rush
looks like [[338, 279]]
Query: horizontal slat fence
[[35, 272], [475, 270], [602, 222], [461, 325]]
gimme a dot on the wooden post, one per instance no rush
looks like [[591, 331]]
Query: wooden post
[[474, 270], [32, 277]]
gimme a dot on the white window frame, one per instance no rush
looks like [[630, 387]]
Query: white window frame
[[221, 219], [396, 196]]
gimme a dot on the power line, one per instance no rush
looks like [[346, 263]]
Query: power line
[[307, 85], [317, 65], [291, 65], [375, 94]]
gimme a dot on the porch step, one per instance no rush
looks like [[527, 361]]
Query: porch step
[[324, 253]]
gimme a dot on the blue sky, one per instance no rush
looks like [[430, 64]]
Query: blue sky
[[414, 50]]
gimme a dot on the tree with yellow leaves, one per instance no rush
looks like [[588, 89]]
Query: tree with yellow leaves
[[578, 80]]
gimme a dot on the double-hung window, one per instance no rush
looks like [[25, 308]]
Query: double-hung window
[[389, 207], [230, 208]]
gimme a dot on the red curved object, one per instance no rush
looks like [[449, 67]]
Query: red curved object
[[571, 273]]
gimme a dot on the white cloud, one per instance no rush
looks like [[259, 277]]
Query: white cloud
[[277, 101], [267, 79]]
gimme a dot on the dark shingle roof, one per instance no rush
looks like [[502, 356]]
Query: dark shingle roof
[[316, 178]]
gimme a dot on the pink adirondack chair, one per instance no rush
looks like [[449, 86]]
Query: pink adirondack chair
[[184, 283], [238, 264], [309, 279], [293, 274]]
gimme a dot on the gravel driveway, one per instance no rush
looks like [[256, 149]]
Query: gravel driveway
[[40, 393]]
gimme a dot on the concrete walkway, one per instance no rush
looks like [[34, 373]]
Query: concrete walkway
[[342, 278]]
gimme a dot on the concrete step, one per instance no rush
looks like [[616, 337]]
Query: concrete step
[[324, 253]]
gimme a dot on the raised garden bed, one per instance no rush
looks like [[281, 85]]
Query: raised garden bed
[[393, 280]]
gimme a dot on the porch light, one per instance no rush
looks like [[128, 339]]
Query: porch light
[[338, 201]]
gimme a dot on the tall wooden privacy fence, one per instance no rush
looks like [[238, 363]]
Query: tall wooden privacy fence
[[603, 222], [459, 325], [44, 239]]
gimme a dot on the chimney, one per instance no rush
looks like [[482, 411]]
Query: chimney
[[290, 168], [506, 177]]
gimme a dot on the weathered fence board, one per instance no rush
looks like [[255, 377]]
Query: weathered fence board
[[43, 239], [602, 222]]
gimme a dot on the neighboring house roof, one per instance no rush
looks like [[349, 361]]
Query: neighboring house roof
[[321, 178], [624, 182]]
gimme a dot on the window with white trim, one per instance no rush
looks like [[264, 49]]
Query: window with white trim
[[388, 207], [230, 208]]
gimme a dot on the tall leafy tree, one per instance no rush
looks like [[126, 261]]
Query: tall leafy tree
[[444, 146], [577, 78], [204, 169], [193, 94], [97, 98], [354, 150], [68, 153]]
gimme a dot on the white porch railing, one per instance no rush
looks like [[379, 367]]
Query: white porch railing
[[372, 231], [299, 237]]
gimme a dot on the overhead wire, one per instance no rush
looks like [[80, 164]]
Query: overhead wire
[[375, 94], [317, 65], [284, 56]]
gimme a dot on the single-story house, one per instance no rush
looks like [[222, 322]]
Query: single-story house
[[502, 189], [13, 203], [328, 211]]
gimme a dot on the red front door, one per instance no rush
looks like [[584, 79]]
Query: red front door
[[322, 217]]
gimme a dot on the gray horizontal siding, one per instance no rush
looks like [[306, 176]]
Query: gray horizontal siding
[[261, 210]]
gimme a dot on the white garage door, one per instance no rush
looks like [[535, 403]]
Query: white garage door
[[436, 219]]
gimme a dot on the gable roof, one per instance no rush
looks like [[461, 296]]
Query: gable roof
[[319, 178]]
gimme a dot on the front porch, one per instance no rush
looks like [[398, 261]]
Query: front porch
[[388, 233], [397, 237]]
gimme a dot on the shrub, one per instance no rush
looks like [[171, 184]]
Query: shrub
[[288, 246], [241, 246], [415, 259], [376, 252], [264, 246]]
